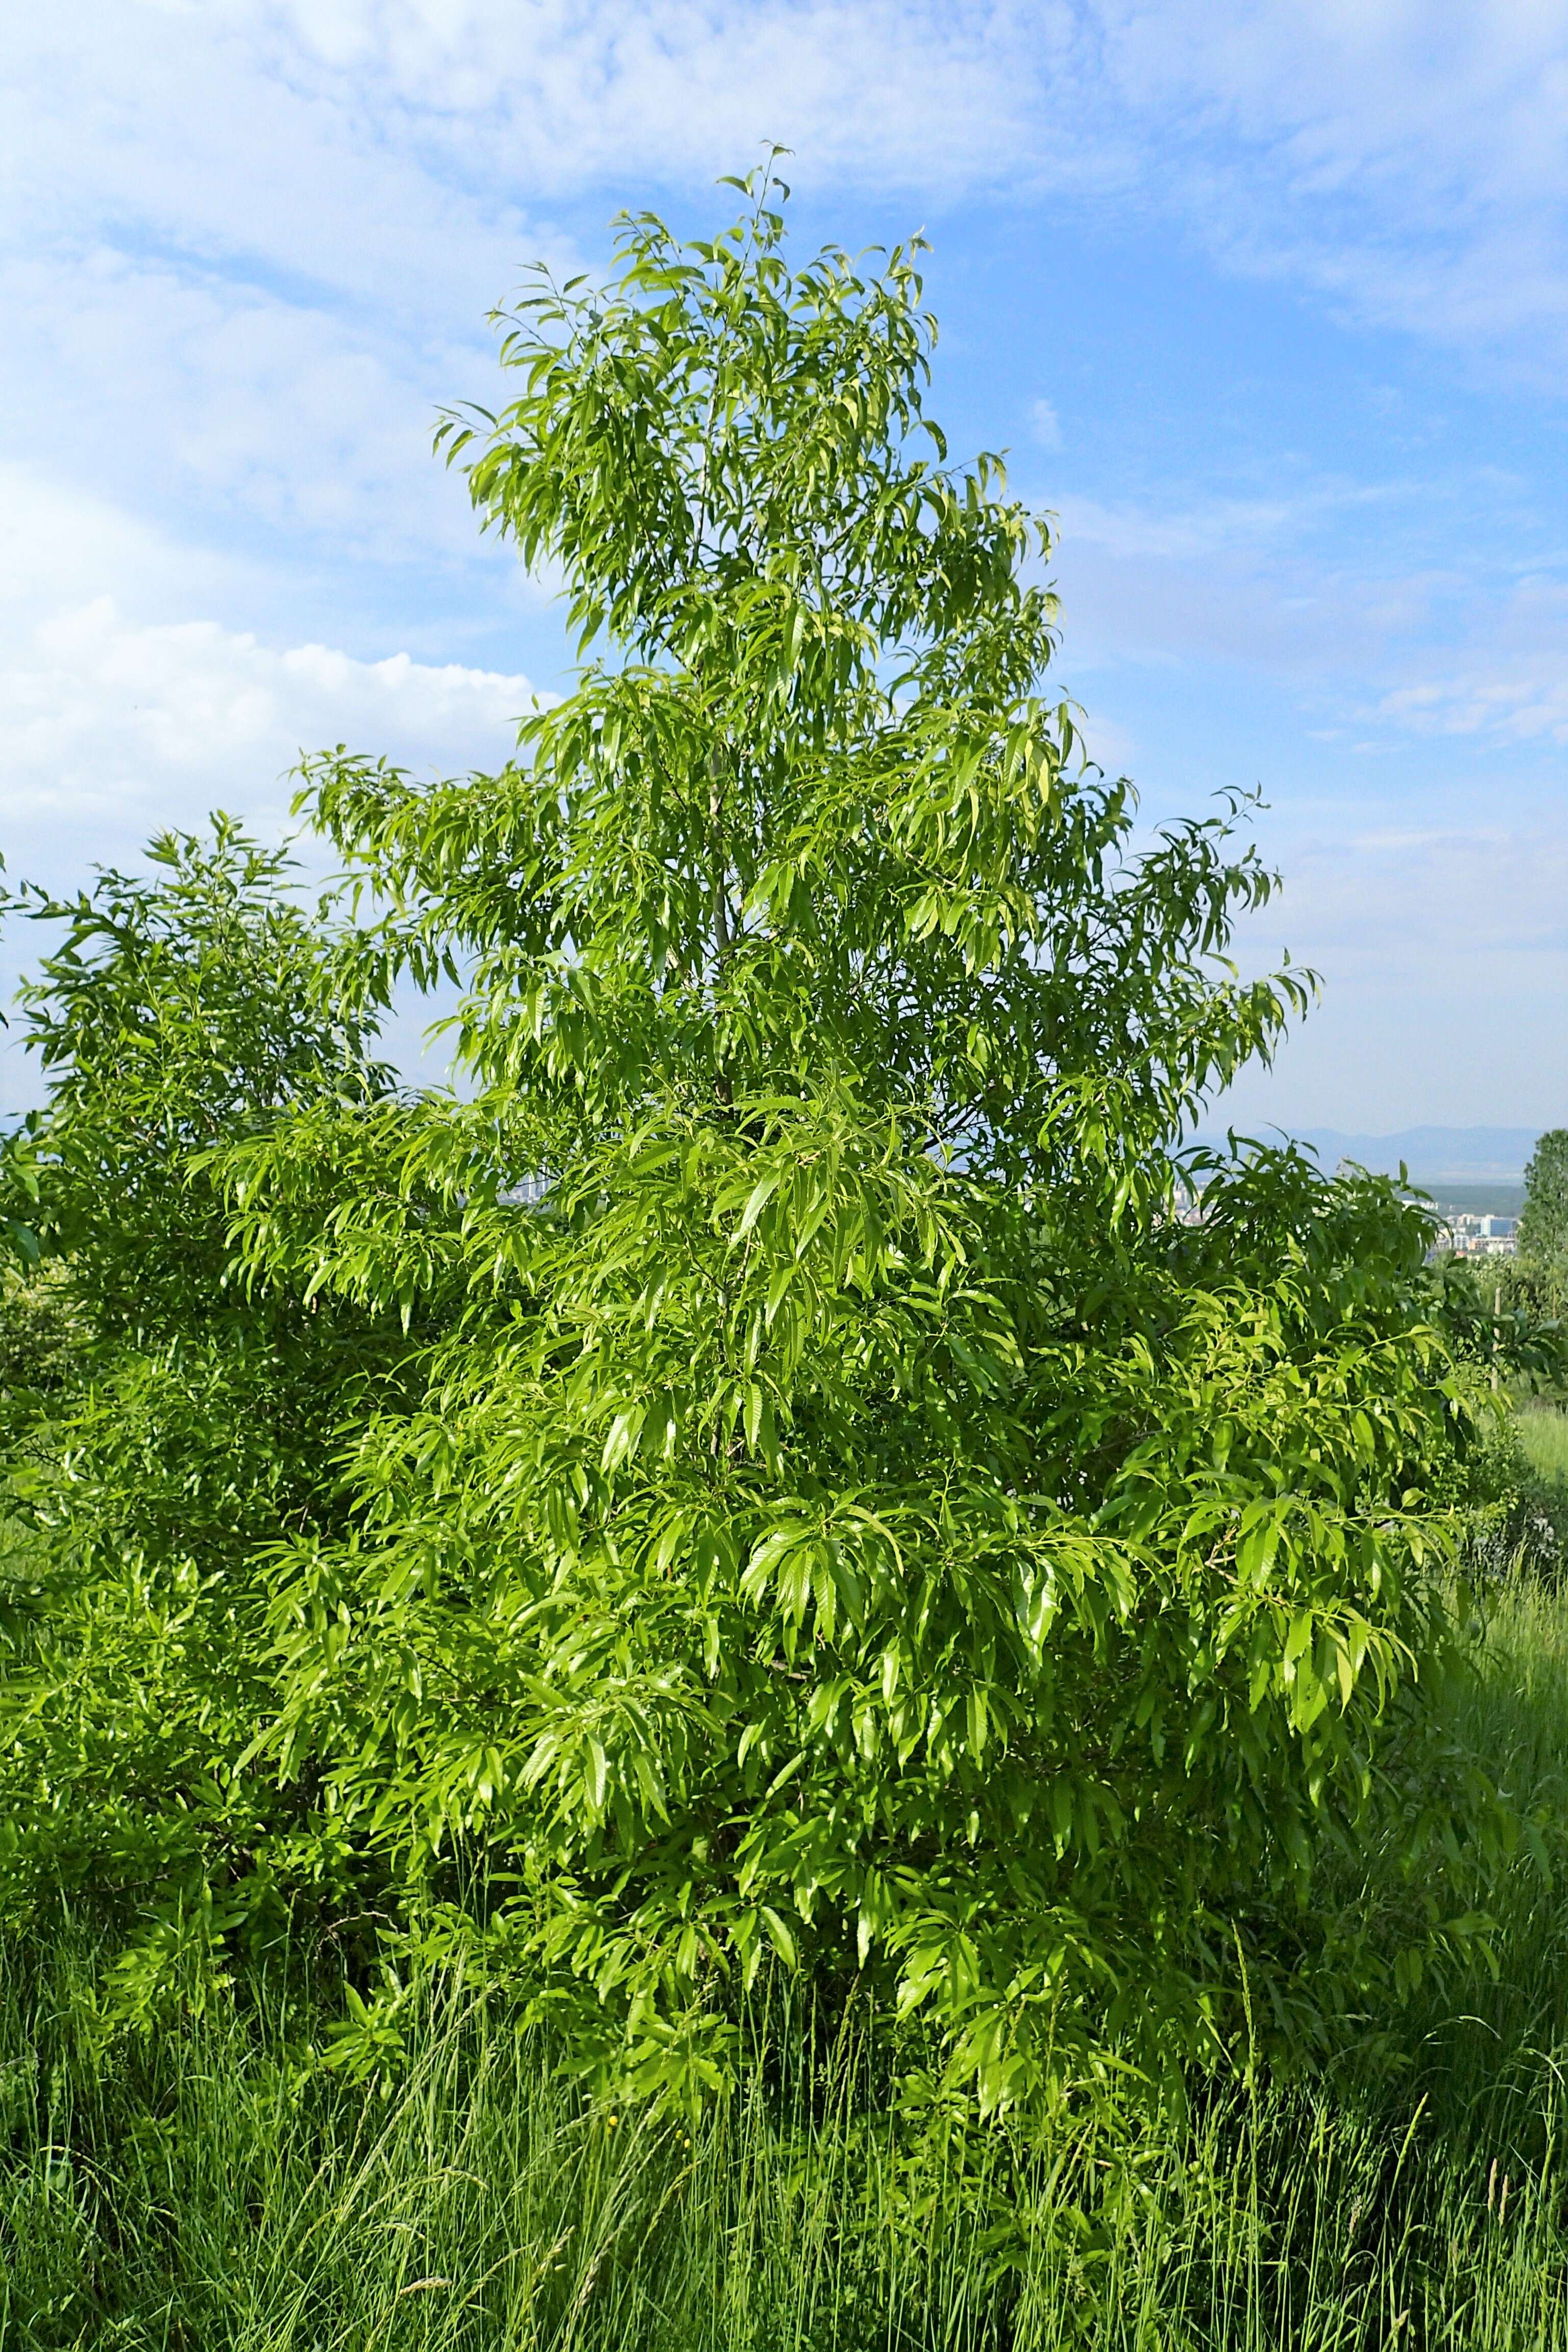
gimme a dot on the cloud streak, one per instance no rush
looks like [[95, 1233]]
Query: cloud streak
[[1408, 159]]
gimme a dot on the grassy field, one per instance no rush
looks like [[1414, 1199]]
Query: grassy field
[[211, 2187], [1544, 1434]]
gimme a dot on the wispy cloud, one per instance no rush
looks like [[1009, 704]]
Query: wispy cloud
[[265, 234], [1443, 955], [1410, 902], [1410, 158], [105, 718], [1045, 425]]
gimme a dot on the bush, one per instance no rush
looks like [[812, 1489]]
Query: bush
[[162, 1427], [1543, 1226]]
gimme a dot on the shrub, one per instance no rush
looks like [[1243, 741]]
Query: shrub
[[1543, 1226], [1518, 1519]]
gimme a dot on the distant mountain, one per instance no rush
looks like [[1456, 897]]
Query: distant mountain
[[1432, 1154]]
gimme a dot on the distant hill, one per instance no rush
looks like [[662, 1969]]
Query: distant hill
[[1463, 1155]]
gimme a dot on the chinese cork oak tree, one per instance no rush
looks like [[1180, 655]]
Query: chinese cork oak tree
[[850, 1521]]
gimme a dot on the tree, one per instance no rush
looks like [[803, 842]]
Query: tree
[[1543, 1226], [161, 1426], [831, 1512]]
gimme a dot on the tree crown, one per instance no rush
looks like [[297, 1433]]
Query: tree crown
[[1543, 1226]]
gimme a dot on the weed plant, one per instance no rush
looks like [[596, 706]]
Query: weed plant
[[210, 2194]]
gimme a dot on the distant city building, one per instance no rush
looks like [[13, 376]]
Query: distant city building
[[1467, 1234]]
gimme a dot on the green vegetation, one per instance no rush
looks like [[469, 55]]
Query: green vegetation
[[742, 1570], [1544, 1438], [213, 2185], [1543, 1226], [1500, 1198]]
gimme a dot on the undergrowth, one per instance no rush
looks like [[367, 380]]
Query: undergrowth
[[217, 2185]]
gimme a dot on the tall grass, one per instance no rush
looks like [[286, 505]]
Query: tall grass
[[212, 2189], [1544, 1434], [211, 2197]]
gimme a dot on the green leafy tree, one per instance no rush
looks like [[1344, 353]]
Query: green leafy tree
[[161, 1424], [1543, 1226], [829, 1511], [850, 1519]]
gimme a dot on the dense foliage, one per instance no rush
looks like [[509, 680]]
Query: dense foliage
[[163, 1426], [762, 1468]]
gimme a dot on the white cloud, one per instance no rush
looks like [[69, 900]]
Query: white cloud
[[118, 723], [1508, 684], [1403, 901], [1285, 582], [1045, 424], [1443, 952], [229, 404], [60, 545], [124, 705], [248, 245], [1387, 644], [913, 93], [1407, 156], [1392, 123], [100, 716]]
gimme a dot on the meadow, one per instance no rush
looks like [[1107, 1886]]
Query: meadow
[[220, 2184]]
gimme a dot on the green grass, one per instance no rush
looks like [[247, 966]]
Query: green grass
[[209, 2188], [212, 2200], [209, 2198], [1544, 1433]]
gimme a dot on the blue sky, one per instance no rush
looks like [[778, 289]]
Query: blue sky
[[1268, 299]]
